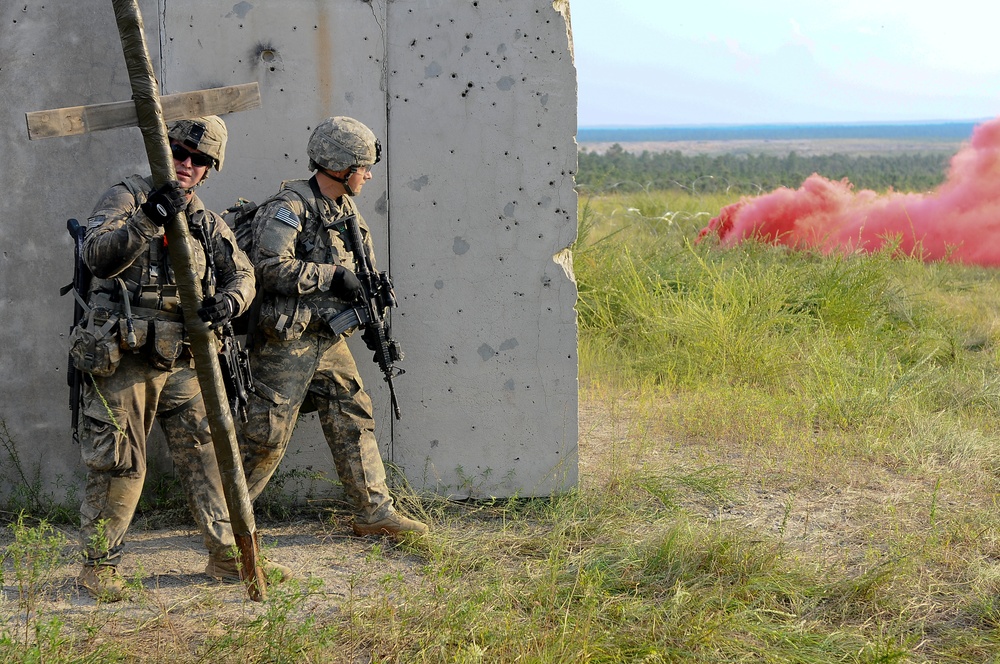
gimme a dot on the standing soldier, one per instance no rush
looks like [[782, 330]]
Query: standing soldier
[[305, 271], [133, 346]]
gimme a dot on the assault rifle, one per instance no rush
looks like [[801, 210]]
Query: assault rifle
[[79, 286], [369, 312], [234, 361]]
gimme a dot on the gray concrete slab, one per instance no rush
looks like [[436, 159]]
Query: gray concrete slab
[[473, 208]]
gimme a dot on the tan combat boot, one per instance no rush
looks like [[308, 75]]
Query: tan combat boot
[[393, 525], [102, 582], [227, 570]]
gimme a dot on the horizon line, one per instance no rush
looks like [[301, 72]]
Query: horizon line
[[823, 123]]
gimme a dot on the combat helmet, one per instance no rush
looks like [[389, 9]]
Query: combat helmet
[[207, 134], [340, 142]]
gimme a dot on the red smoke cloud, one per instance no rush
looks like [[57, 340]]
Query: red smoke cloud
[[960, 220]]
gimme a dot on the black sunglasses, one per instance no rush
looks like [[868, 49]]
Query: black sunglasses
[[197, 158]]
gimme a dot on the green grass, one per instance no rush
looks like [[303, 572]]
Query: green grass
[[785, 457]]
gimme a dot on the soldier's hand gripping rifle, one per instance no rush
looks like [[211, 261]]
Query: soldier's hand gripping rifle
[[79, 288], [234, 361], [369, 312]]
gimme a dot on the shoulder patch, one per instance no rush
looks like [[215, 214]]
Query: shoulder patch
[[286, 216]]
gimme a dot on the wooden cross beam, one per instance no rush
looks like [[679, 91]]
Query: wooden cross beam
[[75, 120]]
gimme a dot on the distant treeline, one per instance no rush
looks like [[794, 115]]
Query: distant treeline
[[617, 169], [927, 131]]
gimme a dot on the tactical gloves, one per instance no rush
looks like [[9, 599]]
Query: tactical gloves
[[217, 310], [345, 284], [164, 203], [371, 339]]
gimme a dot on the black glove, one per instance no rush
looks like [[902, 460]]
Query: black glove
[[216, 311], [371, 339], [164, 203], [346, 285]]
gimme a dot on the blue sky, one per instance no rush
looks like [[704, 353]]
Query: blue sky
[[669, 62]]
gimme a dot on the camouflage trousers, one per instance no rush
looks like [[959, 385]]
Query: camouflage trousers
[[118, 415], [322, 368]]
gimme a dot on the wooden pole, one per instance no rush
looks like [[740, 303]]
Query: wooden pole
[[145, 94]]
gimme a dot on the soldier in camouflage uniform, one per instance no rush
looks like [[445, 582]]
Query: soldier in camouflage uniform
[[305, 273], [133, 344]]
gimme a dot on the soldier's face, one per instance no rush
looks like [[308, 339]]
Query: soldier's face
[[189, 174], [358, 178]]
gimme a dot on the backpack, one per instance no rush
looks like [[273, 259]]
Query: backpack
[[239, 218]]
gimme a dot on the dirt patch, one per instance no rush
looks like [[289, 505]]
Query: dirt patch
[[166, 569]]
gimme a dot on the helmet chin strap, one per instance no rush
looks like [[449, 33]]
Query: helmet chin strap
[[342, 181]]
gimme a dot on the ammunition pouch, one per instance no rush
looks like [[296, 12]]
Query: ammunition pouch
[[284, 318], [94, 344], [160, 334], [140, 328], [168, 343]]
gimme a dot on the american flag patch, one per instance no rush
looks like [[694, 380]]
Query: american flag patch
[[286, 216]]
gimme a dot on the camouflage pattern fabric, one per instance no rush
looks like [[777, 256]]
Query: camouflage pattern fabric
[[296, 250], [119, 410], [320, 366]]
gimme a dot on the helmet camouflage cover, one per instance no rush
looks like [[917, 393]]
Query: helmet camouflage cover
[[207, 134], [340, 142]]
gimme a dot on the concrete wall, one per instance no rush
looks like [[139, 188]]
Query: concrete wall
[[473, 208]]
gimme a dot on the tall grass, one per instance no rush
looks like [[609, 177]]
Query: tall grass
[[785, 457]]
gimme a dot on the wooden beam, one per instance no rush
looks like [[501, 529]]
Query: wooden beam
[[75, 120]]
